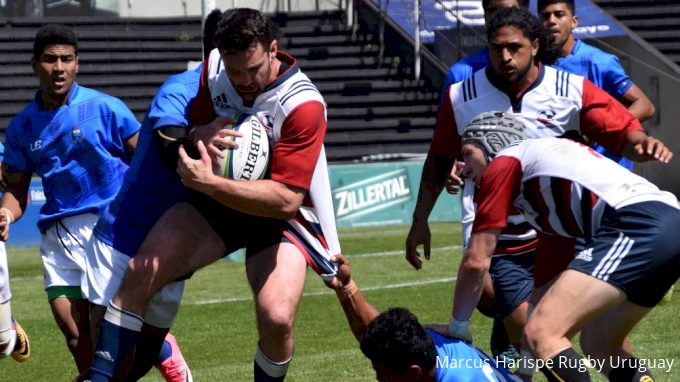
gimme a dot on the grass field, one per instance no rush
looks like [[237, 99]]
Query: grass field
[[216, 325]]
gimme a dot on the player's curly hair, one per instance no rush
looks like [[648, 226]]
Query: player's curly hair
[[53, 34], [544, 3], [242, 28], [532, 28], [397, 340]]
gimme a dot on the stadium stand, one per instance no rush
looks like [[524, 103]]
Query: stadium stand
[[374, 105], [656, 21]]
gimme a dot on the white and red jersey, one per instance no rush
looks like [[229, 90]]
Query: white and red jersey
[[556, 102], [561, 187], [294, 115]]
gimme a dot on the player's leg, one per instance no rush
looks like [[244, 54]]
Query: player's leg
[[513, 282], [277, 278], [7, 332], [574, 300], [63, 254], [181, 242], [603, 339]]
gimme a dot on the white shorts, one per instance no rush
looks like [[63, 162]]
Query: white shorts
[[106, 267], [62, 249], [5, 294]]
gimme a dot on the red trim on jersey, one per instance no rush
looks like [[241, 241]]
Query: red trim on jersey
[[593, 199], [516, 249], [534, 188], [202, 111], [605, 120], [565, 195], [295, 155], [303, 249], [446, 140], [308, 226], [498, 189]]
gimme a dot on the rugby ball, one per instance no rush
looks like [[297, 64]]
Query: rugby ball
[[249, 160]]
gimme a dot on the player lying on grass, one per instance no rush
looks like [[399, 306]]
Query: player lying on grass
[[401, 349], [631, 255]]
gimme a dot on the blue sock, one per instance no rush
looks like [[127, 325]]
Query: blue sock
[[116, 341], [165, 353], [275, 371]]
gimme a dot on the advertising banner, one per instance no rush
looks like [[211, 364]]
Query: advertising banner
[[443, 15], [379, 194]]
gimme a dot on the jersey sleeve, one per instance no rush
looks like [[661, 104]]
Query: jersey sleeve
[[170, 106], [498, 188], [605, 120], [615, 81], [124, 121], [446, 140], [16, 157], [296, 154], [202, 110]]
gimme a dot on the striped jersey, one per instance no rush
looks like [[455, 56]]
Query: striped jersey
[[561, 187], [294, 115], [556, 102]]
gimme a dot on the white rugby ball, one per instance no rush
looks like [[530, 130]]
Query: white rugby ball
[[249, 160]]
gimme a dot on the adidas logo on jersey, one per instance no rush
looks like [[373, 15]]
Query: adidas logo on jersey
[[585, 255], [221, 101]]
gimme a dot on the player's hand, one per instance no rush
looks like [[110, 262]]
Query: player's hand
[[344, 274], [419, 234], [653, 149], [455, 329], [213, 136], [5, 220], [195, 173], [454, 182]]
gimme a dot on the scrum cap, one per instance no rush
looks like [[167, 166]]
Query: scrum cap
[[493, 131]]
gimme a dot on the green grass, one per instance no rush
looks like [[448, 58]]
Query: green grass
[[218, 339]]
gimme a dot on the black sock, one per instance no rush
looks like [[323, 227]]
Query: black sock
[[261, 376], [629, 370], [567, 366]]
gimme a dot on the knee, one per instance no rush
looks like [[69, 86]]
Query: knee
[[533, 336], [72, 339], [276, 321]]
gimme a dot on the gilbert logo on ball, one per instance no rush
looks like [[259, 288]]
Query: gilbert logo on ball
[[249, 160]]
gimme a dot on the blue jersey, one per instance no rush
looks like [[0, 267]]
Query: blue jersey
[[78, 150], [605, 71], [149, 188], [458, 361], [463, 69]]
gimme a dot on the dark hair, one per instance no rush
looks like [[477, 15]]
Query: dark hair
[[242, 28], [522, 4], [532, 28], [544, 3], [53, 34], [209, 27], [397, 340], [575, 136]]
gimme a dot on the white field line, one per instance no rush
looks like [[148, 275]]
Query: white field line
[[402, 252], [373, 254], [329, 292]]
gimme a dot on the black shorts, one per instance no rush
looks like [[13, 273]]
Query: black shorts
[[513, 280], [236, 229], [636, 248]]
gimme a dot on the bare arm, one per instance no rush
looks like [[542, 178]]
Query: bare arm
[[472, 272], [358, 311], [637, 103]]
